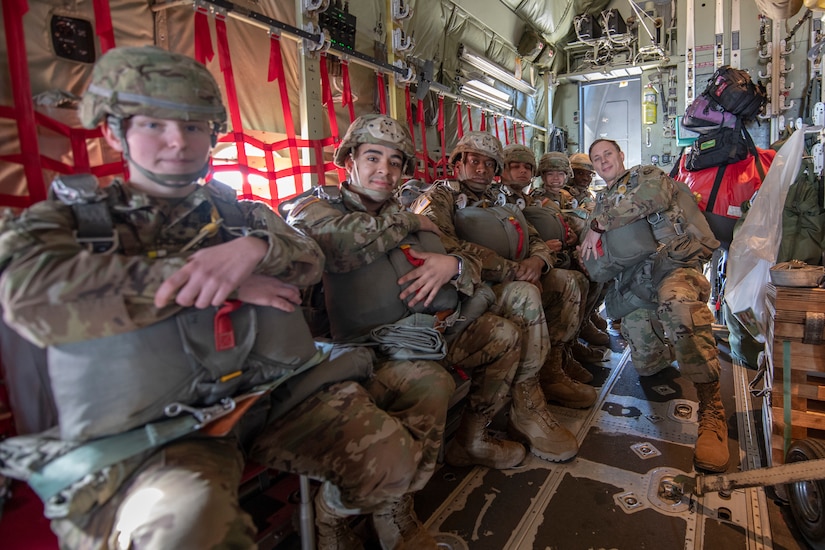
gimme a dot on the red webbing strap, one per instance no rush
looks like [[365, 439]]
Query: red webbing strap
[[520, 232], [470, 117], [459, 120], [103, 25], [276, 66], [424, 151], [523, 135], [13, 12], [326, 99], [483, 122], [506, 133], [441, 132], [203, 38], [382, 96], [232, 104], [346, 93], [495, 119], [411, 126]]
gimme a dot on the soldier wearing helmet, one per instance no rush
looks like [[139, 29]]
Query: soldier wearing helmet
[[359, 233], [144, 297], [579, 185], [477, 158], [555, 172], [564, 290]]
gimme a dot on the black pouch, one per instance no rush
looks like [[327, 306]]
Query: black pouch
[[734, 90], [720, 147]]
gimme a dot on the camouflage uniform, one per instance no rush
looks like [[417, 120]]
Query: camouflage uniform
[[678, 297], [517, 301], [352, 237], [665, 296], [54, 290], [350, 240]]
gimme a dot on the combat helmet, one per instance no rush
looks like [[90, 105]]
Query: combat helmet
[[581, 161], [482, 143], [555, 162], [516, 152], [379, 130], [151, 81]]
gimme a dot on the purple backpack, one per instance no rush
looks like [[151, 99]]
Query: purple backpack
[[705, 115]]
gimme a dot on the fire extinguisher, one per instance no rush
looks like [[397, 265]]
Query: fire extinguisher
[[649, 109]]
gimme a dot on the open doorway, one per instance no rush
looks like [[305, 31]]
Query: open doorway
[[612, 109]]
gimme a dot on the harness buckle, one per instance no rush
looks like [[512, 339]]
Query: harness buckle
[[204, 415]]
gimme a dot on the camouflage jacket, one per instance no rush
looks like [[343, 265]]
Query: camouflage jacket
[[439, 203], [354, 238], [54, 290], [638, 192]]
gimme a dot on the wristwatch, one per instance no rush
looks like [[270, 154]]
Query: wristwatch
[[460, 267], [594, 225]]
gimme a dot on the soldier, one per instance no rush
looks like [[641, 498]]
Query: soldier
[[555, 172], [564, 291], [124, 277], [666, 287], [477, 158], [363, 226]]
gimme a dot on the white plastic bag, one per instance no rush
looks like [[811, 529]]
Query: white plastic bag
[[754, 248]]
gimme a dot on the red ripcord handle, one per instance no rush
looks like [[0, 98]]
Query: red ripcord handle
[[417, 262], [224, 332]]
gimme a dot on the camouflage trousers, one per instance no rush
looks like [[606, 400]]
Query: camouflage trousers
[[520, 303], [374, 442], [681, 327], [488, 351], [564, 295], [185, 496]]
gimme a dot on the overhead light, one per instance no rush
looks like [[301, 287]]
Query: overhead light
[[480, 90], [489, 90], [490, 68]]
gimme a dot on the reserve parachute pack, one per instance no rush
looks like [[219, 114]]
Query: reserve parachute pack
[[361, 300], [547, 222], [680, 236], [197, 358], [502, 229]]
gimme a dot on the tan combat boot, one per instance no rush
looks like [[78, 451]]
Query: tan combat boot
[[592, 335], [333, 529], [560, 388], [573, 368], [398, 528], [598, 320], [711, 451], [472, 445], [530, 420], [586, 354]]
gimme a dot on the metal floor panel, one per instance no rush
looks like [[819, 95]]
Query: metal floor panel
[[639, 434]]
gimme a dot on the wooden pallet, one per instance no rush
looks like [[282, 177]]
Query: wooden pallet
[[788, 308]]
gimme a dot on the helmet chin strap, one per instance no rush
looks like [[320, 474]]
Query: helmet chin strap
[[174, 181]]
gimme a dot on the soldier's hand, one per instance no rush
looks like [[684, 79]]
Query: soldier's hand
[[554, 245], [428, 225], [212, 273], [530, 269], [263, 290], [427, 279], [590, 245]]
